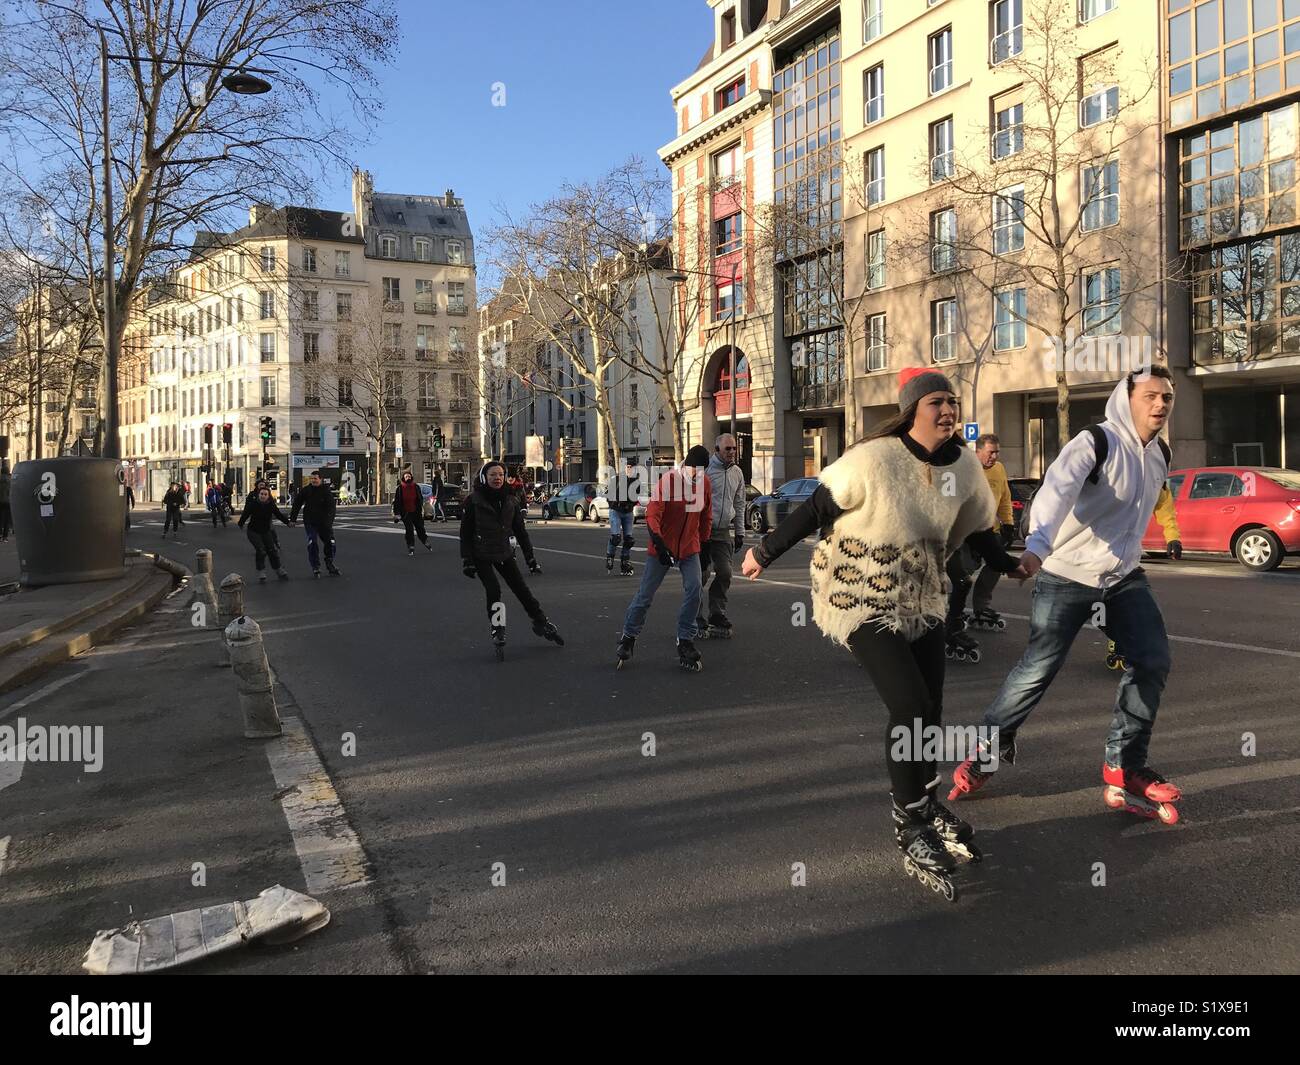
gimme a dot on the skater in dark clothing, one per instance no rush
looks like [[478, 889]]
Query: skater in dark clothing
[[212, 499], [317, 504], [130, 504], [6, 514], [408, 504], [438, 513], [492, 515], [258, 515], [622, 496], [173, 500], [890, 511], [678, 518]]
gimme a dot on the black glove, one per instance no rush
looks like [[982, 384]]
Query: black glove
[[1008, 535], [1175, 549], [739, 541], [469, 569], [661, 550], [533, 567]]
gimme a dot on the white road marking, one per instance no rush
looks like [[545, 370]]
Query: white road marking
[[40, 693], [328, 849], [318, 625]]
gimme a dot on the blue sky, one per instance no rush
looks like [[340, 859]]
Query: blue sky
[[586, 85]]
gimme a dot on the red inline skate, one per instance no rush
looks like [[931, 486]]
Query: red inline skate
[[975, 772], [1140, 791]]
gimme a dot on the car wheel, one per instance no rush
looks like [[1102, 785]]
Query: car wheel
[[756, 522], [1259, 550], [580, 514], [548, 513]]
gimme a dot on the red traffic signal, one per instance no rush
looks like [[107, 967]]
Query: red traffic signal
[[227, 433]]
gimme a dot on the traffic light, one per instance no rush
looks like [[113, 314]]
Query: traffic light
[[268, 428], [207, 434], [227, 433], [438, 438]]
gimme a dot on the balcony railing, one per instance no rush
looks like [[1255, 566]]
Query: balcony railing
[[941, 167], [311, 356], [394, 307], [424, 355], [426, 307], [268, 401], [817, 396], [342, 271], [462, 443], [311, 401], [429, 404], [943, 348], [52, 407], [313, 441], [395, 403], [457, 308], [1005, 45], [940, 77], [458, 403]]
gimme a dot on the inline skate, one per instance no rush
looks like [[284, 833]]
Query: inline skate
[[1140, 791]]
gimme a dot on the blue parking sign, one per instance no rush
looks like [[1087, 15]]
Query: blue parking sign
[[970, 431]]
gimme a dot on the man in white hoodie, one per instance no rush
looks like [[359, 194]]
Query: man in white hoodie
[[1085, 543]]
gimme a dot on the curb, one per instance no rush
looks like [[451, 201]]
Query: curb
[[45, 631]]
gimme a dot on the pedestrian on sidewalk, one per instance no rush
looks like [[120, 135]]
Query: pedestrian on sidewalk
[[130, 504], [621, 494], [492, 516], [678, 518], [212, 499], [966, 561], [173, 500], [6, 514], [317, 504], [258, 515], [1085, 545], [726, 536], [408, 504], [438, 513], [890, 510]]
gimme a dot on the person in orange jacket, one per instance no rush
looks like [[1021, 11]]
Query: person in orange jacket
[[679, 518]]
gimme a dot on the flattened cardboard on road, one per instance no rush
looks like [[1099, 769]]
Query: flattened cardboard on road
[[277, 915]]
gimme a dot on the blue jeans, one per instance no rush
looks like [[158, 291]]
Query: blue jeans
[[652, 575], [620, 532], [1131, 618], [323, 533]]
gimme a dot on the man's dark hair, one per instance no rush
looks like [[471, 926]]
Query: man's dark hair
[[1150, 371], [987, 438]]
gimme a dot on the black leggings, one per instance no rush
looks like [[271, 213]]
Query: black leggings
[[487, 573], [414, 527], [266, 546], [172, 520], [909, 678]]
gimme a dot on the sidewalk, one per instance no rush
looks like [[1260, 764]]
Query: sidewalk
[[183, 812]]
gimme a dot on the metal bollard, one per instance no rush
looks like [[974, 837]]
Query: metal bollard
[[243, 638], [230, 605]]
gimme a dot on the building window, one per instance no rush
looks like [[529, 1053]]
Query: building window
[[1101, 302], [311, 306], [876, 259], [726, 235], [1099, 105], [424, 301], [343, 347], [877, 347], [941, 158], [387, 246], [455, 252], [393, 337], [345, 391], [728, 299], [1009, 319], [943, 330], [1100, 195], [1091, 9], [729, 94], [345, 434], [313, 430], [343, 306], [267, 342], [873, 94], [1009, 220], [875, 174], [311, 398], [268, 259], [1008, 31], [392, 386], [455, 341], [268, 391], [309, 260], [940, 53], [267, 304], [456, 297], [943, 238], [1008, 130], [421, 249], [872, 20], [428, 391], [725, 166], [392, 288], [311, 347], [241, 395], [342, 264]]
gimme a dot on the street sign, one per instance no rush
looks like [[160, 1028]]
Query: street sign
[[548, 466], [970, 431], [444, 453], [399, 451]]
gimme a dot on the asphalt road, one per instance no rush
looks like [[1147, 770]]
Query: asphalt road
[[682, 861]]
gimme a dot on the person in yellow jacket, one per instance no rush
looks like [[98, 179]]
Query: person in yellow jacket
[[1167, 516], [965, 562]]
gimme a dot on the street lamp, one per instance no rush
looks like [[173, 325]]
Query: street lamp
[[241, 82]]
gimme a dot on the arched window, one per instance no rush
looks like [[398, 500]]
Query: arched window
[[722, 387]]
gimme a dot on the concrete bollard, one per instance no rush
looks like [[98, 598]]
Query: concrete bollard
[[230, 605], [202, 560], [202, 590], [243, 638]]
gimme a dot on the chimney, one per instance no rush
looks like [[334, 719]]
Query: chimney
[[257, 212]]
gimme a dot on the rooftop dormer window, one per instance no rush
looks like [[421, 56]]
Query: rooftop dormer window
[[728, 29]]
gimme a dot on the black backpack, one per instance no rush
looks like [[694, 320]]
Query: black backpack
[[1102, 444]]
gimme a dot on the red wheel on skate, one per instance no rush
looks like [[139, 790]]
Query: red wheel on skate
[[1167, 813], [1113, 797]]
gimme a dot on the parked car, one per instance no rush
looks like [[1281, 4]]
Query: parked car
[[1022, 494], [768, 511], [577, 500], [1251, 512]]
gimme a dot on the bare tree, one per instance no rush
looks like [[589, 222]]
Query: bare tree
[[1048, 205], [184, 148]]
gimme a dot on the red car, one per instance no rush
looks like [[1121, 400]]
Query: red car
[[1252, 512]]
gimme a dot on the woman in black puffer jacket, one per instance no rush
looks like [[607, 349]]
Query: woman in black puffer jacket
[[492, 516]]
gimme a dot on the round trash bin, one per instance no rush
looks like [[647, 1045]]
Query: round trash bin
[[70, 520]]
